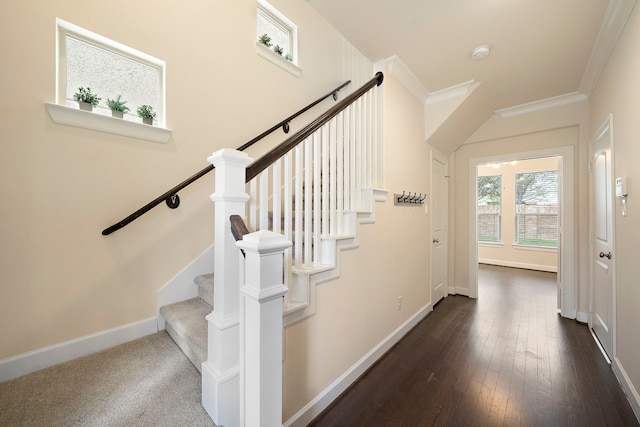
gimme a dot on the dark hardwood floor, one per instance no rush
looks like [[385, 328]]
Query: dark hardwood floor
[[505, 359]]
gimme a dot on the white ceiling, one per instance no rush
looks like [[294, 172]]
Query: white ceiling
[[540, 48]]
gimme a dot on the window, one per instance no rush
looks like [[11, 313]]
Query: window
[[489, 208], [536, 206], [88, 60], [277, 34]]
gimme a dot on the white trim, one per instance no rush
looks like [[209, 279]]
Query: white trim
[[182, 287], [455, 91], [542, 104], [279, 60], [616, 15], [32, 361], [582, 317], [523, 265], [394, 66], [312, 409], [632, 394], [63, 115], [566, 275], [520, 247]]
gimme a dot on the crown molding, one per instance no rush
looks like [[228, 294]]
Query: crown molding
[[394, 66], [542, 104], [450, 92], [613, 23]]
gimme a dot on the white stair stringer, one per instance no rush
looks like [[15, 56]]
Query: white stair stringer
[[302, 287]]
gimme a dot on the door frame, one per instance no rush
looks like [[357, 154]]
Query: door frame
[[568, 297], [607, 126], [435, 155]]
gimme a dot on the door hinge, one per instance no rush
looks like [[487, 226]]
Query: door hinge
[[590, 166], [590, 307]]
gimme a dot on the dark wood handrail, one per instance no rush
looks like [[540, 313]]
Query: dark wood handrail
[[268, 159], [171, 198]]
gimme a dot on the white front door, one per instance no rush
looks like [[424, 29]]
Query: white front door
[[438, 229], [602, 263]]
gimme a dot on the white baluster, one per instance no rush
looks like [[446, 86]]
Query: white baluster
[[317, 183], [308, 184]]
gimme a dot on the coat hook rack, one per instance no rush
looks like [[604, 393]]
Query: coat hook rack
[[409, 198]]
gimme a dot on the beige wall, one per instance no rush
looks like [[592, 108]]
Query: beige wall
[[60, 279], [506, 252], [618, 93], [357, 311]]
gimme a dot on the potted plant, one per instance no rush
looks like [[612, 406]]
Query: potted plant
[[86, 99], [117, 106], [277, 49], [147, 114], [265, 40]]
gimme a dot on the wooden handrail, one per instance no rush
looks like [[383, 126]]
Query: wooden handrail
[[171, 196], [268, 159]]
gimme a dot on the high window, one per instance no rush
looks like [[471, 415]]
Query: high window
[[110, 69], [536, 209], [276, 32], [489, 208]]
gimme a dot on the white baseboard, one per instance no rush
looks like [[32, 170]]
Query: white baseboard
[[312, 409], [549, 268], [181, 287], [582, 317], [627, 386], [462, 291], [32, 361]]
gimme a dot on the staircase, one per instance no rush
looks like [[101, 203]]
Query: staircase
[[305, 199], [186, 324]]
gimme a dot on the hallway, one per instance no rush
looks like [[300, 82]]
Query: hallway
[[505, 359]]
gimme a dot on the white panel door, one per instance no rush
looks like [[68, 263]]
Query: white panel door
[[438, 230], [602, 264]]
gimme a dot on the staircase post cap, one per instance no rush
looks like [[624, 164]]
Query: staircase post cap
[[264, 241], [229, 155]]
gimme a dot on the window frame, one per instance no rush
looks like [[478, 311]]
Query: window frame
[[517, 215], [497, 214], [279, 18], [62, 114]]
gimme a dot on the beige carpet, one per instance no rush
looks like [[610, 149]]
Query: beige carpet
[[147, 382]]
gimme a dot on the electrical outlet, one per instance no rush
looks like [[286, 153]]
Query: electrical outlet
[[399, 303]]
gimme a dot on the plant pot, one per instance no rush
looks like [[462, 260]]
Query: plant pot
[[118, 114], [86, 106], [147, 120]]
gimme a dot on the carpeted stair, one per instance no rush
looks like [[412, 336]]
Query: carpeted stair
[[186, 324]]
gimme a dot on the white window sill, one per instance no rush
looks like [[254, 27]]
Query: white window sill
[[491, 244], [89, 120], [278, 60], [534, 248]]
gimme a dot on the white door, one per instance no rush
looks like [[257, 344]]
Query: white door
[[438, 229], [602, 263]]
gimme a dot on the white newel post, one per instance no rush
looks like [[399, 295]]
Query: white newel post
[[262, 328], [221, 371]]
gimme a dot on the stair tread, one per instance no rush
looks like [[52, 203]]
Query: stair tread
[[204, 280], [187, 326]]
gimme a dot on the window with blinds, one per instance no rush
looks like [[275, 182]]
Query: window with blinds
[[536, 209], [489, 209]]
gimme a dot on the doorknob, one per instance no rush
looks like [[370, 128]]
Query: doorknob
[[436, 241], [608, 255]]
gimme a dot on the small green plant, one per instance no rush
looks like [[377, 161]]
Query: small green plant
[[117, 104], [289, 57], [85, 95], [277, 49], [265, 40], [146, 112]]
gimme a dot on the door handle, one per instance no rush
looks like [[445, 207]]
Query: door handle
[[608, 255], [436, 241]]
